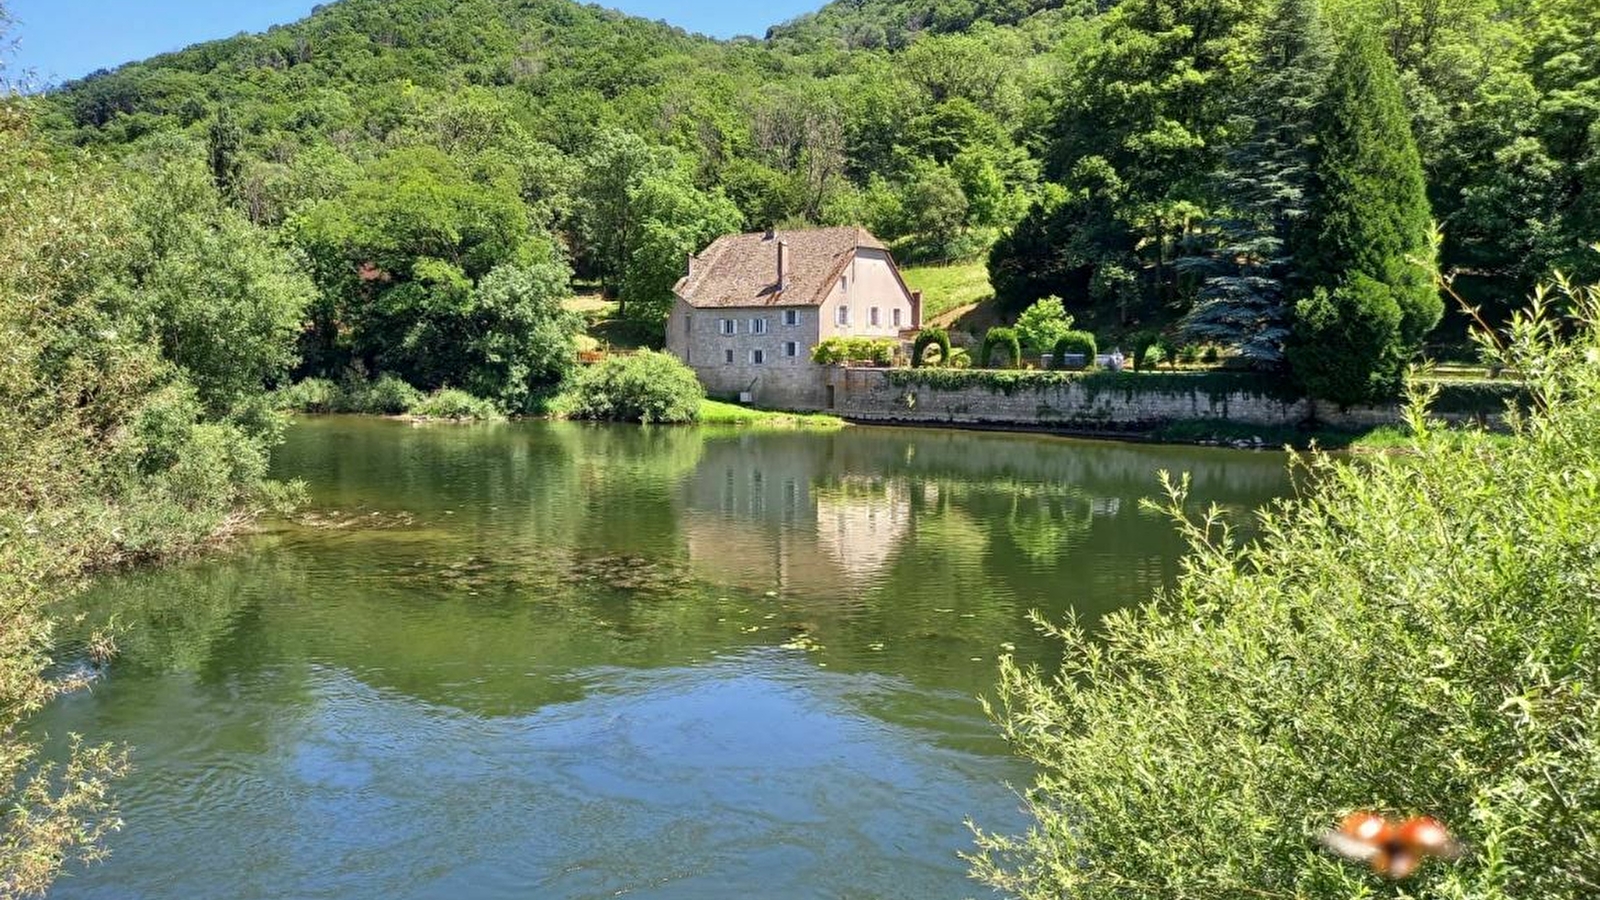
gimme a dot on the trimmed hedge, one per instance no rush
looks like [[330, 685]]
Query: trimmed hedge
[[838, 351], [931, 337], [1004, 339], [1479, 397], [1077, 342], [1214, 385]]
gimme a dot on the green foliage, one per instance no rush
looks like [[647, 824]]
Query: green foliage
[[1128, 385], [646, 387], [133, 425], [310, 395], [454, 405], [1065, 240], [1004, 340], [1243, 302], [1414, 635], [1369, 213], [1146, 349], [1043, 324], [383, 396], [843, 351], [1346, 345], [930, 337], [1081, 343], [1085, 135], [522, 341]]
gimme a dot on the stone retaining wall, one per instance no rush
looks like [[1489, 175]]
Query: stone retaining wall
[[1136, 403]]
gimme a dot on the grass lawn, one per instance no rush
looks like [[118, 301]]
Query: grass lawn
[[947, 288], [715, 412]]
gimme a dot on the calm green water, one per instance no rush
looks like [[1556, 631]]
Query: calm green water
[[563, 661]]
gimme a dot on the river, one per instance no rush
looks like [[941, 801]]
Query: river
[[555, 660]]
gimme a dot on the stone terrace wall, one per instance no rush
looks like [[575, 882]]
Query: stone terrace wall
[[1091, 401]]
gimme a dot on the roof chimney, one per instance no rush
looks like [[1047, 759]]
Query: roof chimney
[[783, 265], [688, 271]]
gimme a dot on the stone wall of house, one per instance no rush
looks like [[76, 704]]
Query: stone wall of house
[[699, 338]]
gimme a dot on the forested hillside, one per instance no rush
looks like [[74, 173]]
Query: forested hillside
[[1144, 162]]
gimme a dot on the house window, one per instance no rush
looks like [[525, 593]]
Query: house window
[[727, 357], [897, 318], [874, 318], [844, 283], [688, 324], [758, 357], [791, 349], [728, 326], [758, 326], [791, 317], [844, 315]]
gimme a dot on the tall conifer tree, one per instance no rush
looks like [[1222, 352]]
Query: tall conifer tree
[[1244, 302], [1364, 254]]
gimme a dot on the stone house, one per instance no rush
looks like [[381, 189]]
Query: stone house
[[752, 307]]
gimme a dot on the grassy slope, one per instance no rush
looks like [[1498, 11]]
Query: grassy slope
[[946, 289]]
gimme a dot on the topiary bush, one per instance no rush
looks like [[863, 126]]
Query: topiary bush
[[646, 387], [931, 337], [1143, 341], [1079, 342], [1416, 634], [1005, 340]]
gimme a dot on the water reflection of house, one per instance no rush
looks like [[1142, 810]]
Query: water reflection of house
[[764, 515], [862, 522]]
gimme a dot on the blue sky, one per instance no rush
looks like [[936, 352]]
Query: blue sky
[[61, 39]]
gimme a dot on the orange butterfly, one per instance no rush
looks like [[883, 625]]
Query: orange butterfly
[[1394, 851]]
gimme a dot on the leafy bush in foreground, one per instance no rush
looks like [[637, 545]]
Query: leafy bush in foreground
[[647, 387], [1419, 635]]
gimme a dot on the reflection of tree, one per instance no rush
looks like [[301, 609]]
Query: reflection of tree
[[1046, 527]]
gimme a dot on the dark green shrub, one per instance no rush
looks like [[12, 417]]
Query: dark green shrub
[[459, 406], [386, 396], [646, 387], [1078, 342], [1002, 339], [1346, 344], [931, 337], [390, 396], [1140, 343]]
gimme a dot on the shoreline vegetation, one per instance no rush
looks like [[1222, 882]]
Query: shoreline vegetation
[[1414, 636]]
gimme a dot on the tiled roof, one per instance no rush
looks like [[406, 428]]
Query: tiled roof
[[742, 269]]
